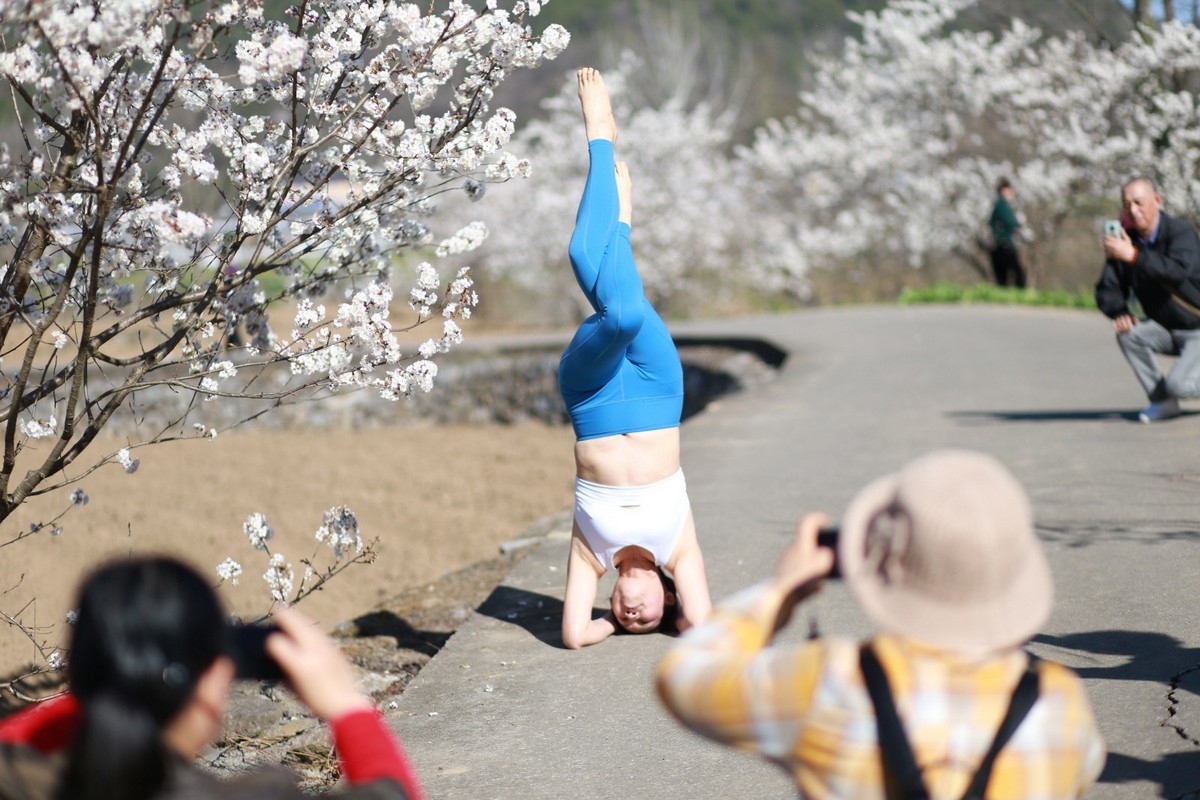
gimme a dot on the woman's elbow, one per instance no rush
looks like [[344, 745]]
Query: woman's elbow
[[572, 640]]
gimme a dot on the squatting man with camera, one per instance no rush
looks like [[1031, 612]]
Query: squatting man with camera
[[1156, 258], [943, 558]]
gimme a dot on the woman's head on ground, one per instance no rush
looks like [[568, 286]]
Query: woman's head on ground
[[644, 601]]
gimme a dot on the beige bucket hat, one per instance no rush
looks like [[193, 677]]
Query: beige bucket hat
[[943, 551]]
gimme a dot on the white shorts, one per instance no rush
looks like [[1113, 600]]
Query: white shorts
[[651, 516]]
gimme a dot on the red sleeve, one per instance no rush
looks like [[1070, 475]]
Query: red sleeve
[[368, 751], [47, 726]]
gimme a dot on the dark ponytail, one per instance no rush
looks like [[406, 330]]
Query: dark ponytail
[[670, 618], [147, 630]]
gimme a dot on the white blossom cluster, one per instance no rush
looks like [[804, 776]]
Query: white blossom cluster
[[127, 462], [339, 530], [464, 241], [38, 427], [258, 530], [179, 155], [229, 570], [358, 347], [279, 577]]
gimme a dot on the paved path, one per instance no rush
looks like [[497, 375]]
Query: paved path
[[504, 712]]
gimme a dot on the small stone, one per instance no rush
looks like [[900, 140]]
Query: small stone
[[433, 713], [487, 687]]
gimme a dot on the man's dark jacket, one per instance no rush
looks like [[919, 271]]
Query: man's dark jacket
[[1165, 277]]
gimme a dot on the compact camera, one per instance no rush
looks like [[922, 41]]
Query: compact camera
[[248, 649], [828, 537]]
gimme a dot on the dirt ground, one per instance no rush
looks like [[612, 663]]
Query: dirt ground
[[437, 498]]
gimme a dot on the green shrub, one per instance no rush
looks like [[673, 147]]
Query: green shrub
[[997, 295]]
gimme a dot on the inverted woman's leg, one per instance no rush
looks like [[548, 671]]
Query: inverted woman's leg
[[596, 220], [598, 348], [602, 257], [653, 352], [599, 207]]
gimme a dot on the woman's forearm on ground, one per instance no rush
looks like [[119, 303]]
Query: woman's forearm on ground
[[691, 582]]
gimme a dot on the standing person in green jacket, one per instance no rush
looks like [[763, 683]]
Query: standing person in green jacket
[[1005, 223]]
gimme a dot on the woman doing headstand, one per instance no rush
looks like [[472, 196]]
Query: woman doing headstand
[[622, 383]]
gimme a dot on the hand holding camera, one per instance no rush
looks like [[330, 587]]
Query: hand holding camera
[[248, 649], [295, 651], [1117, 244], [805, 562], [314, 667]]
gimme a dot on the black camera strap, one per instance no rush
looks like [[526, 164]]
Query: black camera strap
[[902, 776]]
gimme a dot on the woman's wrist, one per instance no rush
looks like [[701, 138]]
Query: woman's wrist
[[335, 708]]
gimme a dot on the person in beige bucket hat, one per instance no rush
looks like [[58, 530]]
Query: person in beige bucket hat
[[944, 552], [943, 702]]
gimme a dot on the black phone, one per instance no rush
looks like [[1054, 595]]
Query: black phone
[[247, 648], [828, 537]]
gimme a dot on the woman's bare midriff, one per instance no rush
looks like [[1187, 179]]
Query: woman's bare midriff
[[629, 459]]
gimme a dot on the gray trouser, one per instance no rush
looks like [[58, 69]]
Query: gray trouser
[[1148, 338]]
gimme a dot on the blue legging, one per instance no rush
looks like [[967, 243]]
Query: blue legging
[[621, 372]]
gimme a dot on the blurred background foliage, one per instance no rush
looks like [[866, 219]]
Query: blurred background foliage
[[761, 50]]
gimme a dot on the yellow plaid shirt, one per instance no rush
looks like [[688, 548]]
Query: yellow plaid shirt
[[806, 707]]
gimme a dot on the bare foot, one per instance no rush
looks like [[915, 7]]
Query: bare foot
[[597, 111], [624, 194]]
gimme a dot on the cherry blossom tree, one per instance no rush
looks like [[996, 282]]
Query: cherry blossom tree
[[184, 167], [179, 169], [894, 151]]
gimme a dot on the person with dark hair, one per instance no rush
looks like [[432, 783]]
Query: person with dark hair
[[943, 702], [1004, 222], [149, 673], [622, 383], [1156, 258]]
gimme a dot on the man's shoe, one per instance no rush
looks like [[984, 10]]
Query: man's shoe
[[1157, 412]]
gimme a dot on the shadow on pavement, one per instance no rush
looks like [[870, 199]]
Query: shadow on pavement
[[1178, 774], [1049, 415], [539, 614], [705, 382], [386, 623], [702, 385], [770, 354], [1152, 656], [1075, 536], [1156, 658]]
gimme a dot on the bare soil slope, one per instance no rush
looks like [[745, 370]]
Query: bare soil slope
[[438, 498]]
